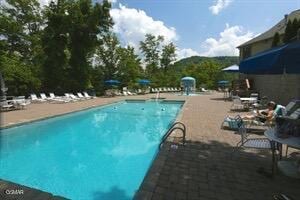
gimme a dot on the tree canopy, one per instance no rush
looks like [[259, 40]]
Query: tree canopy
[[69, 46]]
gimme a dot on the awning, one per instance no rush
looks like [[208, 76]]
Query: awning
[[232, 68], [279, 60]]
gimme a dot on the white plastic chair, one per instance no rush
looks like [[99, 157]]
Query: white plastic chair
[[237, 104]]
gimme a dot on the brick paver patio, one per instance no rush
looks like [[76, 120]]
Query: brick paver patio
[[206, 168]]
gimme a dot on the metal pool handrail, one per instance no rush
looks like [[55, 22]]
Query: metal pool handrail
[[171, 129]]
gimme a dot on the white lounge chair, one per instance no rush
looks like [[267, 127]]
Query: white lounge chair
[[125, 93], [88, 96], [81, 96], [57, 99], [204, 90], [44, 97], [35, 99], [67, 95], [75, 97]]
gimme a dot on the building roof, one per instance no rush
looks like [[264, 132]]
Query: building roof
[[279, 27]]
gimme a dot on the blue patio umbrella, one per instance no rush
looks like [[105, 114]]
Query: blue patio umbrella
[[112, 82], [223, 82], [144, 82]]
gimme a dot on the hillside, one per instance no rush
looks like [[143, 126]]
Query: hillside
[[224, 61]]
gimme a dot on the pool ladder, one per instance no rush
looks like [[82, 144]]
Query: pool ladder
[[176, 126]]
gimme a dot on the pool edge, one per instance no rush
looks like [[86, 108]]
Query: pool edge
[[147, 187]]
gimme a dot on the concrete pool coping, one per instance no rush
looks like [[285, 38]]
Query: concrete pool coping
[[3, 127], [151, 178]]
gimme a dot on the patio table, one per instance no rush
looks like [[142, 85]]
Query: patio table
[[287, 167]]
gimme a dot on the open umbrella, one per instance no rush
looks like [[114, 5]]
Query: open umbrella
[[232, 69], [144, 82], [112, 82], [223, 82]]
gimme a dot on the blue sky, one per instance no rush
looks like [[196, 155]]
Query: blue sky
[[198, 27]]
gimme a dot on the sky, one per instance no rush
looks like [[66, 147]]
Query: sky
[[197, 27]]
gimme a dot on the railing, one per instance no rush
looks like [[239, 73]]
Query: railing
[[171, 129]]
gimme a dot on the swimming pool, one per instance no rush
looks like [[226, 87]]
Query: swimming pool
[[101, 153]]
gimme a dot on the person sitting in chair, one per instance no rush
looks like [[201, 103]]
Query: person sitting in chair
[[265, 115]]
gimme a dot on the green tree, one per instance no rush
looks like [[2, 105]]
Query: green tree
[[288, 34], [150, 47], [168, 56], [276, 40], [20, 29], [55, 41], [107, 56], [86, 21], [295, 28], [130, 69]]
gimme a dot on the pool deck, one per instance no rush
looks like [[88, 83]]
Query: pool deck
[[203, 169]]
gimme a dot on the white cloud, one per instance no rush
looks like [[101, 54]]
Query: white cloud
[[219, 5], [185, 53], [131, 25], [226, 44]]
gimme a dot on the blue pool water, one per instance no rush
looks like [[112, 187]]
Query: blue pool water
[[102, 153]]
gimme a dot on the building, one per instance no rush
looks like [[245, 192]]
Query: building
[[280, 88]]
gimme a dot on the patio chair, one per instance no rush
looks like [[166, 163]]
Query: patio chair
[[43, 96], [5, 106], [280, 111], [237, 104], [125, 93], [58, 99], [35, 99], [87, 95], [20, 102], [254, 143], [131, 93], [204, 90], [75, 97], [294, 116], [232, 123], [72, 98], [81, 96]]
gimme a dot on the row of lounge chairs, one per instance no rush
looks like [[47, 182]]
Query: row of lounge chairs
[[123, 93], [52, 98], [165, 89]]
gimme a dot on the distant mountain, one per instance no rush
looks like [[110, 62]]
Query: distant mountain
[[224, 61]]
